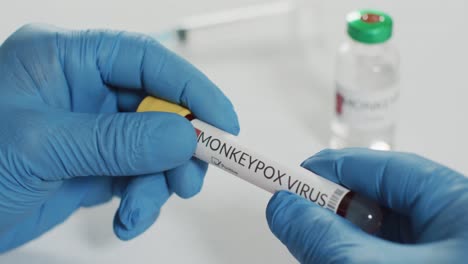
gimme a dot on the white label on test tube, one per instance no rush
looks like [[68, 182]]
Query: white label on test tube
[[221, 149]]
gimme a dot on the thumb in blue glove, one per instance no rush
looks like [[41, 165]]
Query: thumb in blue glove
[[427, 222]]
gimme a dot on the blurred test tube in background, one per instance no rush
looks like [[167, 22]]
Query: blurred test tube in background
[[181, 31]]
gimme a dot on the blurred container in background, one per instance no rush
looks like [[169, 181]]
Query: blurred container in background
[[366, 80]]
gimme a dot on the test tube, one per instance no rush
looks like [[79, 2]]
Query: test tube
[[223, 150]]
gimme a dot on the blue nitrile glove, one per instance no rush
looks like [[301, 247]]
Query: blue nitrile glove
[[429, 222], [65, 139]]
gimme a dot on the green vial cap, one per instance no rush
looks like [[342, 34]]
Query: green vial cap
[[369, 26]]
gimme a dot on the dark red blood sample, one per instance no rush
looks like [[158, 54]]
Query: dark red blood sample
[[343, 207], [190, 117]]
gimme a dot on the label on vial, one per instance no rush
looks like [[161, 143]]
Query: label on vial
[[222, 150], [363, 109]]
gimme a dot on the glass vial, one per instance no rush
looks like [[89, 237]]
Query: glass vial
[[366, 84]]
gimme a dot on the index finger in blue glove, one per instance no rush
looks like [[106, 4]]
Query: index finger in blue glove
[[136, 61]]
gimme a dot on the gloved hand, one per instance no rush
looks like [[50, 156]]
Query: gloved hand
[[65, 141], [428, 222]]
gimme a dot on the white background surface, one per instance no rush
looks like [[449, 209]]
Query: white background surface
[[282, 90]]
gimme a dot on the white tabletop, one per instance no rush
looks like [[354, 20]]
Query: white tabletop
[[283, 91]]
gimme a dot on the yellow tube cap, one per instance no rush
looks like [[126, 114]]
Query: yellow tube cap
[[152, 104]]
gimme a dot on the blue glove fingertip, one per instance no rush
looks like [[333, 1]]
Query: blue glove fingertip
[[128, 213], [134, 217], [187, 180], [278, 202], [233, 126], [225, 119], [235, 130], [138, 226], [141, 204], [325, 163]]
